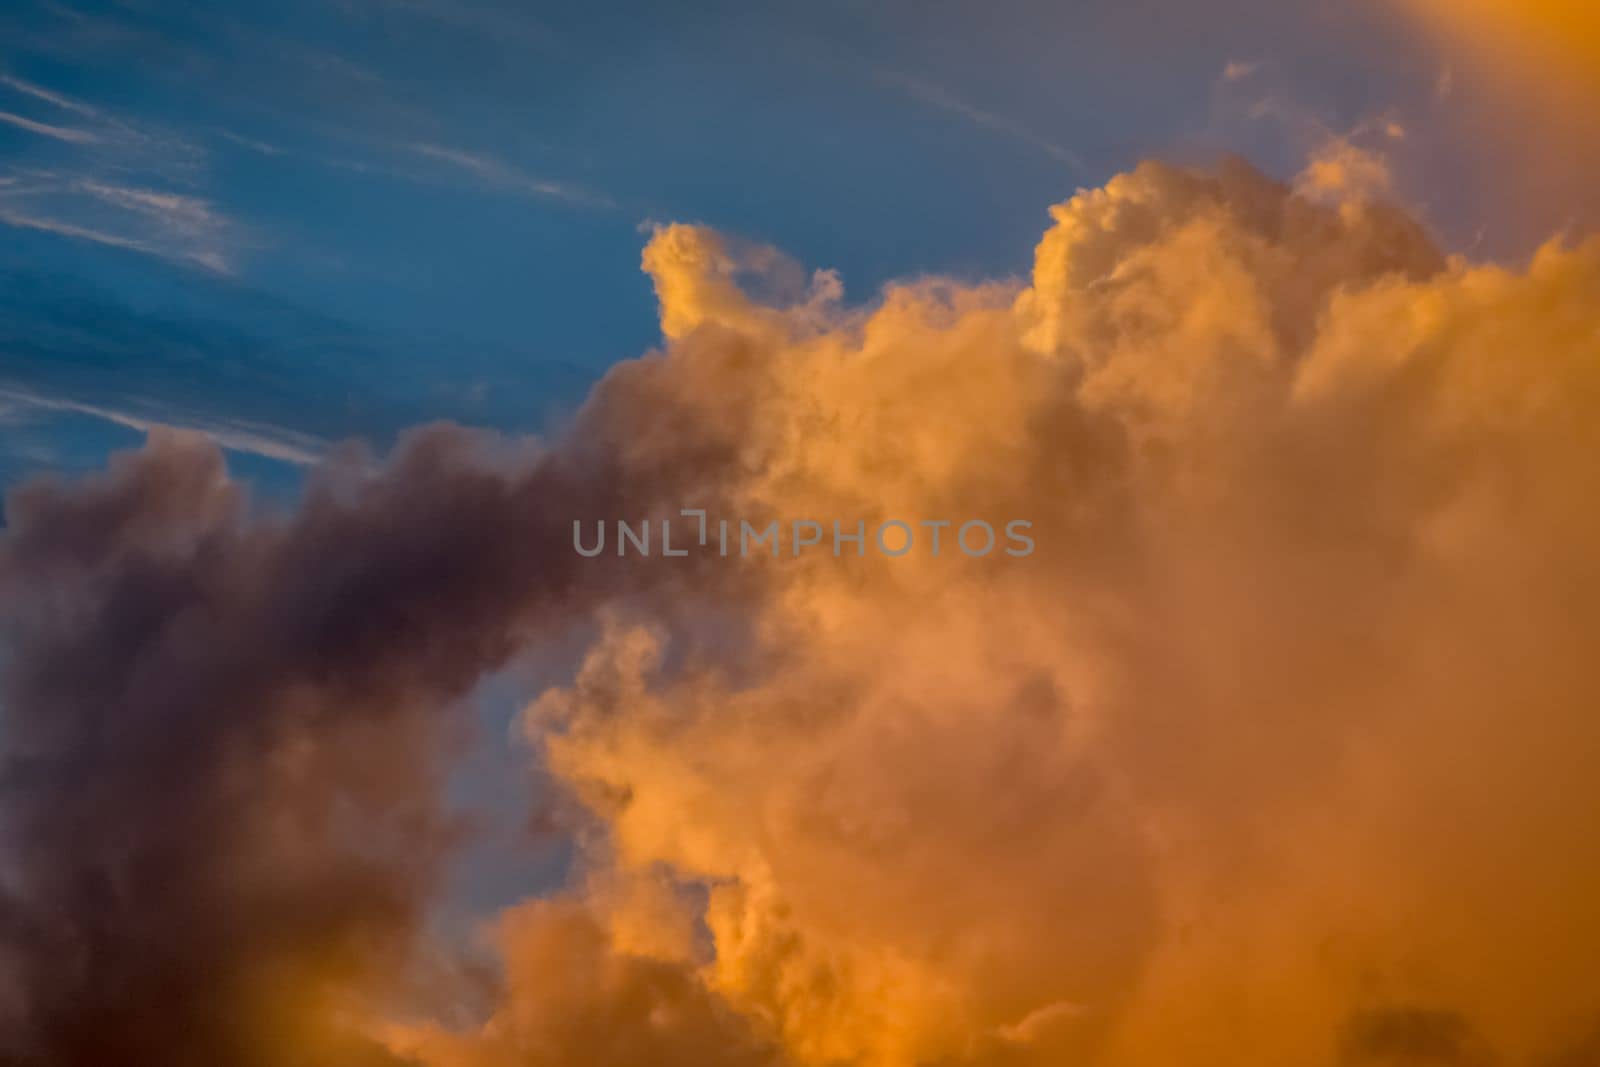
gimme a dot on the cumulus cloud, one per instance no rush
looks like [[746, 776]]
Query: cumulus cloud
[[1239, 756], [222, 740], [1278, 750], [574, 996]]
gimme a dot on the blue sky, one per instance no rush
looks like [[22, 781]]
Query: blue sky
[[296, 222]]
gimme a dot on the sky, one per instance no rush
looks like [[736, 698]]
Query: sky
[[303, 222], [1269, 328]]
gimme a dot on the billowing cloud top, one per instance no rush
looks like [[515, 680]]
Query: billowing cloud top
[[1278, 750]]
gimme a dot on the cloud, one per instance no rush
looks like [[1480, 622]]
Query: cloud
[[44, 129], [219, 839], [105, 129], [189, 216], [1238, 70], [258, 146], [1410, 1036], [1343, 171], [936, 96], [256, 373], [503, 176], [58, 100], [157, 222], [112, 162], [483, 171], [1278, 750], [1240, 757], [232, 434], [575, 998], [209, 259], [44, 224]]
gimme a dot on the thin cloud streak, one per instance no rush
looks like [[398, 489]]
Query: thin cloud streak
[[189, 216], [251, 143], [44, 129], [55, 99], [210, 260], [111, 195], [485, 171], [499, 175], [256, 439], [937, 96]]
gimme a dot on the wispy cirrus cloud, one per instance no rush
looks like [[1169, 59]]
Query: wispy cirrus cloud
[[254, 144], [176, 227], [498, 174], [55, 99], [93, 125], [424, 162], [253, 438], [937, 96], [317, 106], [187, 215], [45, 129], [24, 221], [111, 183]]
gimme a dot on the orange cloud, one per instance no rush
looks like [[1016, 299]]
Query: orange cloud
[[1278, 750]]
